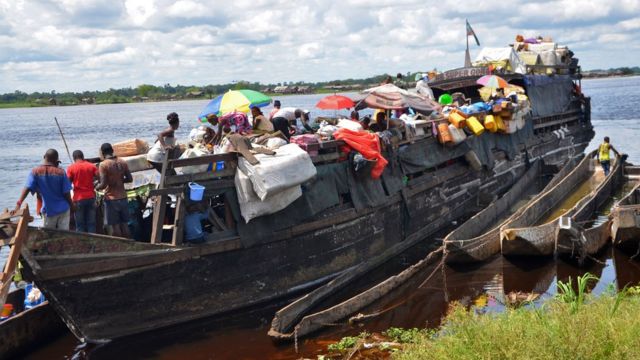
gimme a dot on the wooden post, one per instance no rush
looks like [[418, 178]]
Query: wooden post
[[178, 223], [160, 205], [14, 254]]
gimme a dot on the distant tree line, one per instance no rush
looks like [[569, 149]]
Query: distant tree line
[[621, 71], [148, 92]]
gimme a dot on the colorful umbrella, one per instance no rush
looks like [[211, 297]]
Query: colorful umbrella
[[235, 100], [492, 81], [335, 102]]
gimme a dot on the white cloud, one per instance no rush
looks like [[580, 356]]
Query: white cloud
[[97, 44], [140, 10]]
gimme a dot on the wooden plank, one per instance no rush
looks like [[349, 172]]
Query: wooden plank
[[166, 191], [202, 160], [325, 158], [178, 229], [143, 259], [14, 254], [215, 220], [181, 179], [160, 205]]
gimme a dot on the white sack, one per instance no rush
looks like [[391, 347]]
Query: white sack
[[197, 151], [349, 124], [252, 207], [288, 167]]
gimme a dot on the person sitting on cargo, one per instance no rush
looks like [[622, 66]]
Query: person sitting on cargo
[[165, 142], [422, 87], [355, 116], [289, 120], [114, 173], [82, 174], [276, 108], [260, 123], [604, 156], [51, 183], [381, 123], [365, 122]]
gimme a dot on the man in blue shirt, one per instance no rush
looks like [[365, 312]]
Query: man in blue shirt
[[54, 187]]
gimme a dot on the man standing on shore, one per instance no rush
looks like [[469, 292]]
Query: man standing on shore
[[54, 187], [114, 173], [82, 174]]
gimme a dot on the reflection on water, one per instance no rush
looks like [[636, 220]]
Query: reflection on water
[[487, 286]]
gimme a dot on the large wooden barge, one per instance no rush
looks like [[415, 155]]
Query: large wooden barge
[[105, 287]]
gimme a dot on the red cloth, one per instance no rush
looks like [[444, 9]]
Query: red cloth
[[367, 144], [81, 175]]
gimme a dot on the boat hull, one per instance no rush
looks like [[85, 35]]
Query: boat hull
[[29, 328], [521, 237], [468, 243], [625, 228], [123, 292]]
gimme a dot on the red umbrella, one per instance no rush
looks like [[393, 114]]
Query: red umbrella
[[335, 102]]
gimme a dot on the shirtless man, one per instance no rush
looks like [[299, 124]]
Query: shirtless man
[[114, 173]]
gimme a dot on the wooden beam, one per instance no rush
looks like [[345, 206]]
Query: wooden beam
[[14, 254], [160, 205], [166, 191], [178, 229], [202, 160], [181, 179]]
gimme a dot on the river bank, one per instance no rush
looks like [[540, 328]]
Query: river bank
[[572, 325]]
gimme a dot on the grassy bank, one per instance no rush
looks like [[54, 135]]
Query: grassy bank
[[573, 325], [596, 331]]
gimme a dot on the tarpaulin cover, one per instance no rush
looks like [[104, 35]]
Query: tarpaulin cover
[[549, 95], [367, 144], [427, 153], [506, 55]]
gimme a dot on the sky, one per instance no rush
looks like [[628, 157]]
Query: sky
[[76, 45]]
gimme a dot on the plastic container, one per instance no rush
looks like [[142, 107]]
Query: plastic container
[[457, 135], [445, 99], [443, 134], [219, 165], [196, 191], [457, 119], [490, 123], [7, 310], [474, 125], [499, 123], [473, 160]]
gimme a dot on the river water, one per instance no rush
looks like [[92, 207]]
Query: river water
[[29, 132]]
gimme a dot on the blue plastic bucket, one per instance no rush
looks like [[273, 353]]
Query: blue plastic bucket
[[196, 191]]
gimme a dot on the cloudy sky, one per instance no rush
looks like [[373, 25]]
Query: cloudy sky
[[72, 45]]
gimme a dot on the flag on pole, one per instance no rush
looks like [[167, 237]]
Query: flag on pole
[[471, 32]]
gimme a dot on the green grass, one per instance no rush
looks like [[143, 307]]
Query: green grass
[[574, 325], [20, 105]]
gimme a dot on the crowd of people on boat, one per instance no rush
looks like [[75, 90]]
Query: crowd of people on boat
[[53, 187]]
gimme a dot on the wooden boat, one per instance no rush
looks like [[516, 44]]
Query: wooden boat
[[28, 328], [105, 287], [578, 235], [625, 222], [479, 237], [533, 231]]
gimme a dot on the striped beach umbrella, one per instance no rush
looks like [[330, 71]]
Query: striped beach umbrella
[[235, 100], [493, 81]]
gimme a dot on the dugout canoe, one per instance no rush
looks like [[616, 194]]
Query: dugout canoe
[[479, 237], [579, 235], [28, 328], [625, 222], [533, 231]]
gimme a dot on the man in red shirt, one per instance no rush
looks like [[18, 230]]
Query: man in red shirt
[[114, 173], [82, 174]]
